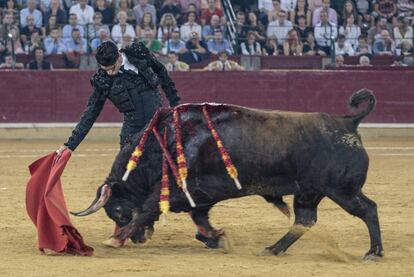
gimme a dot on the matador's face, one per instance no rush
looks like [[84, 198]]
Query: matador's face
[[113, 70]]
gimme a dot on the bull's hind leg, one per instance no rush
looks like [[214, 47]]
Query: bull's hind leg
[[205, 232], [366, 209], [305, 208]]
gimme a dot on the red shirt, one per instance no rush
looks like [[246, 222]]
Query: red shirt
[[206, 14]]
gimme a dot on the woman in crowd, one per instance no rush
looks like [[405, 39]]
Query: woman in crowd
[[257, 28], [125, 6], [272, 15], [190, 26], [146, 22], [403, 33], [350, 30], [348, 9], [122, 28], [92, 31], [251, 46], [14, 42], [311, 48], [292, 45], [168, 24], [271, 47], [303, 29], [301, 10], [52, 23]]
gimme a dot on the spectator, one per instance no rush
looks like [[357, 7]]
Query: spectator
[[365, 23], [92, 30], [35, 42], [56, 11], [210, 11], [174, 64], [314, 5], [339, 61], [8, 23], [126, 40], [184, 4], [301, 10], [11, 8], [191, 8], [13, 43], [364, 61], [398, 61], [73, 23], [224, 64], [406, 7], [288, 5], [168, 24], [84, 12], [103, 35], [171, 7], [274, 13], [380, 25], [292, 46], [350, 30], [343, 47], [364, 6], [265, 7], [311, 48], [271, 47], [122, 28], [146, 23], [10, 63], [197, 50], [30, 28], [54, 44], [31, 9], [302, 29], [279, 28], [257, 28], [190, 27], [325, 33], [208, 30], [150, 42], [406, 49], [51, 24], [175, 44], [241, 27], [204, 4], [125, 6], [142, 8], [363, 48], [384, 45], [76, 43], [219, 44], [347, 10], [403, 33], [39, 63], [332, 16], [106, 12], [251, 46], [385, 8]]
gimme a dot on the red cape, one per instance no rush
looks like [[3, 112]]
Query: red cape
[[47, 209]]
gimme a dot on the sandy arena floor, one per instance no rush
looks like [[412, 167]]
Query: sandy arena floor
[[334, 247]]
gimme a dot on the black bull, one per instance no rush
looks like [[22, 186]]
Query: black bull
[[309, 155]]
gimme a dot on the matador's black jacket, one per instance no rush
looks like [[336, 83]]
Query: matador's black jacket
[[135, 95]]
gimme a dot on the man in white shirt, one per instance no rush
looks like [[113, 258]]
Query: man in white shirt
[[332, 15], [325, 33], [280, 27], [343, 48], [31, 10], [83, 12], [190, 27]]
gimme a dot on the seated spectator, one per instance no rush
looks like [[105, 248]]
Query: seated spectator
[[103, 35], [302, 29], [279, 28], [84, 12], [35, 42], [145, 24], [13, 42], [185, 4], [197, 50], [31, 9], [122, 28], [210, 11], [403, 32], [208, 30], [175, 44], [191, 9], [30, 28], [125, 6], [143, 7], [8, 23], [271, 47], [301, 11], [241, 27], [174, 64], [92, 29], [363, 48], [11, 8], [168, 24], [204, 4], [406, 7], [364, 6], [219, 44], [314, 4], [349, 9], [384, 46], [265, 7], [224, 64], [274, 12], [257, 28], [398, 61], [385, 8], [39, 63], [406, 49], [380, 25], [56, 11], [251, 46], [126, 40], [339, 61], [288, 5], [54, 44], [332, 15], [364, 61], [76, 43], [292, 45], [73, 23], [106, 12], [190, 27], [366, 23], [10, 63], [325, 33], [350, 30], [343, 48], [150, 41], [171, 7], [51, 24], [311, 48]]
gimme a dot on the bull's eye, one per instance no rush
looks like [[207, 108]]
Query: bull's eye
[[118, 211]]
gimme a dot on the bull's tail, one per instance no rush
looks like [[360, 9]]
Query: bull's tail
[[359, 97]]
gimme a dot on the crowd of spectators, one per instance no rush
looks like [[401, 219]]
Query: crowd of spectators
[[192, 30]]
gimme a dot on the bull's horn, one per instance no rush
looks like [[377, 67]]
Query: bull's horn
[[97, 203]]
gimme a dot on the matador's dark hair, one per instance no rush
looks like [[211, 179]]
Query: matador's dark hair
[[107, 53]]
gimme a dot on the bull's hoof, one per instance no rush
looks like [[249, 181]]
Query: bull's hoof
[[374, 255], [209, 242], [113, 242], [270, 251]]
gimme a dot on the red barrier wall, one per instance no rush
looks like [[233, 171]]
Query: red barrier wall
[[61, 96]]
